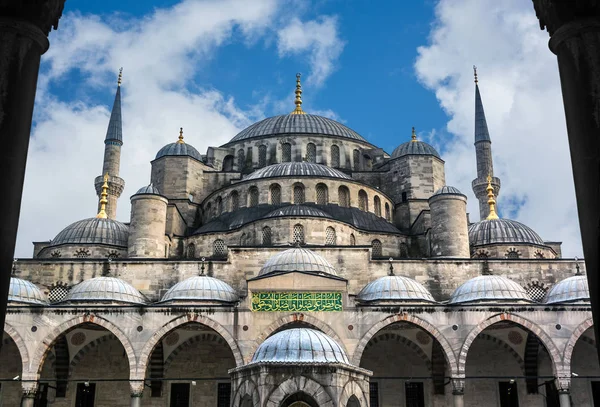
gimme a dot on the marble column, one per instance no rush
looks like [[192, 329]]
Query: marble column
[[29, 391], [137, 390], [564, 397], [458, 392], [24, 28]]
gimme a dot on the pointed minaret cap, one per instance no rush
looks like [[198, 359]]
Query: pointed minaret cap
[[180, 140], [491, 200], [114, 133], [481, 129], [103, 201], [298, 101]]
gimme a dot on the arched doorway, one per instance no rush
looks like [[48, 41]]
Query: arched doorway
[[585, 374], [10, 372], [299, 399]]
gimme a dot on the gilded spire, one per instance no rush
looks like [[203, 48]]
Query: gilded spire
[[298, 101], [413, 135], [103, 201], [475, 73], [120, 77], [180, 141], [491, 200]]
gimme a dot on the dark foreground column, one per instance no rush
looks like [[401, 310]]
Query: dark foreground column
[[24, 28], [574, 28]]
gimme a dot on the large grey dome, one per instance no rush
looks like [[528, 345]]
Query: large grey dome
[[201, 288], [489, 288], [298, 210], [105, 289], [300, 345], [569, 290], [180, 149], [297, 169], [297, 259], [490, 231], [23, 291], [415, 147], [296, 124], [394, 288], [94, 231]]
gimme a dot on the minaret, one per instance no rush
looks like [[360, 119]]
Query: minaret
[[112, 156], [483, 151]]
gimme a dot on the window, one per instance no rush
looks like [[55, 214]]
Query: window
[[330, 237], [536, 291], [352, 240], [376, 249], [262, 156], [298, 194], [311, 153], [508, 394], [415, 396], [235, 201], [82, 253], [252, 197], [353, 402], [322, 194], [180, 395], [388, 215], [275, 190], [266, 236], [363, 201], [373, 394], [219, 248], [335, 156], [86, 393], [286, 152], [241, 159], [298, 234], [377, 205], [191, 251], [538, 255], [513, 254], [228, 163], [223, 394], [58, 292], [356, 160], [219, 206], [344, 197]]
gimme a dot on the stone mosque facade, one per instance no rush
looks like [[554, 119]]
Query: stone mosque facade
[[298, 265]]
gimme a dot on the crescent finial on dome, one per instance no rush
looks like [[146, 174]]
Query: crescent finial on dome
[[298, 101], [180, 138], [413, 136], [491, 200], [103, 201]]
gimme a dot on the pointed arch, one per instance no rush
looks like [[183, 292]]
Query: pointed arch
[[568, 352], [299, 384], [248, 389], [18, 340], [352, 388]]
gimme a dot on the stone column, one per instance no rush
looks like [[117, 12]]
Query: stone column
[[574, 28], [24, 28], [563, 383], [137, 390], [564, 397], [458, 392], [29, 391]]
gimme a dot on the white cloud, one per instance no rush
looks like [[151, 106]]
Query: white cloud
[[519, 82]]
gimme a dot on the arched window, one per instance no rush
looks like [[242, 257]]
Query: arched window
[[353, 402], [513, 253], [363, 201], [536, 291], [356, 160], [252, 197], [311, 153], [335, 156], [299, 194], [266, 236], [219, 205], [219, 248], [352, 240], [228, 163], [376, 249], [298, 236], [322, 194], [377, 205], [388, 215], [330, 237], [275, 191], [538, 255], [235, 200], [286, 152], [241, 159], [344, 197], [262, 156], [191, 251]]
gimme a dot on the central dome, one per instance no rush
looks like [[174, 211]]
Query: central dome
[[490, 231], [297, 169], [94, 231], [297, 259], [297, 124]]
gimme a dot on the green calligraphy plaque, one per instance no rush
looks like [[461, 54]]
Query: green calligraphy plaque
[[297, 301]]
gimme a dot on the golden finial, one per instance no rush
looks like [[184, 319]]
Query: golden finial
[[413, 135], [120, 77], [475, 72], [491, 200], [103, 201], [180, 141], [298, 101]]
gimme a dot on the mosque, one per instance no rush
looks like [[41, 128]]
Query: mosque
[[298, 265]]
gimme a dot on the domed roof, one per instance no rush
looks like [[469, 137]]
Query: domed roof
[[489, 288], [177, 148], [447, 190], [300, 345], [23, 291], [296, 124], [148, 189], [394, 288], [490, 231], [569, 290], [297, 169], [105, 289], [414, 147], [94, 231], [298, 210], [297, 259], [201, 288]]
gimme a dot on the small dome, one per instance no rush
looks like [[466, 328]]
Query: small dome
[[296, 124], [148, 189], [416, 147], [447, 190], [490, 231], [297, 210], [94, 231], [489, 289], [297, 259], [300, 345], [394, 288], [177, 148], [201, 288], [569, 290], [297, 169], [23, 291], [105, 289]]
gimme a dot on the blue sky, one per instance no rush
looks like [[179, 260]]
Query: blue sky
[[215, 67]]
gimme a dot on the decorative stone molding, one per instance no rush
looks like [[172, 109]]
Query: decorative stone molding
[[553, 14], [352, 388], [568, 352], [247, 389], [136, 387], [42, 13], [458, 386], [18, 340]]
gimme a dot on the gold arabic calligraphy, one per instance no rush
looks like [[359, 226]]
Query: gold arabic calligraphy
[[290, 301]]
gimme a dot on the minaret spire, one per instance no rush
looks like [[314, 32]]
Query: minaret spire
[[298, 101]]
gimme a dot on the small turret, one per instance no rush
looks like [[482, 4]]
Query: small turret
[[449, 229], [148, 222]]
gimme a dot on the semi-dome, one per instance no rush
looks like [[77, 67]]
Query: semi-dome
[[25, 292], [94, 231], [105, 289], [148, 189], [201, 288], [297, 259], [447, 190], [297, 169], [569, 290], [300, 345], [414, 147], [298, 210], [296, 124], [394, 288], [504, 231], [489, 289]]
